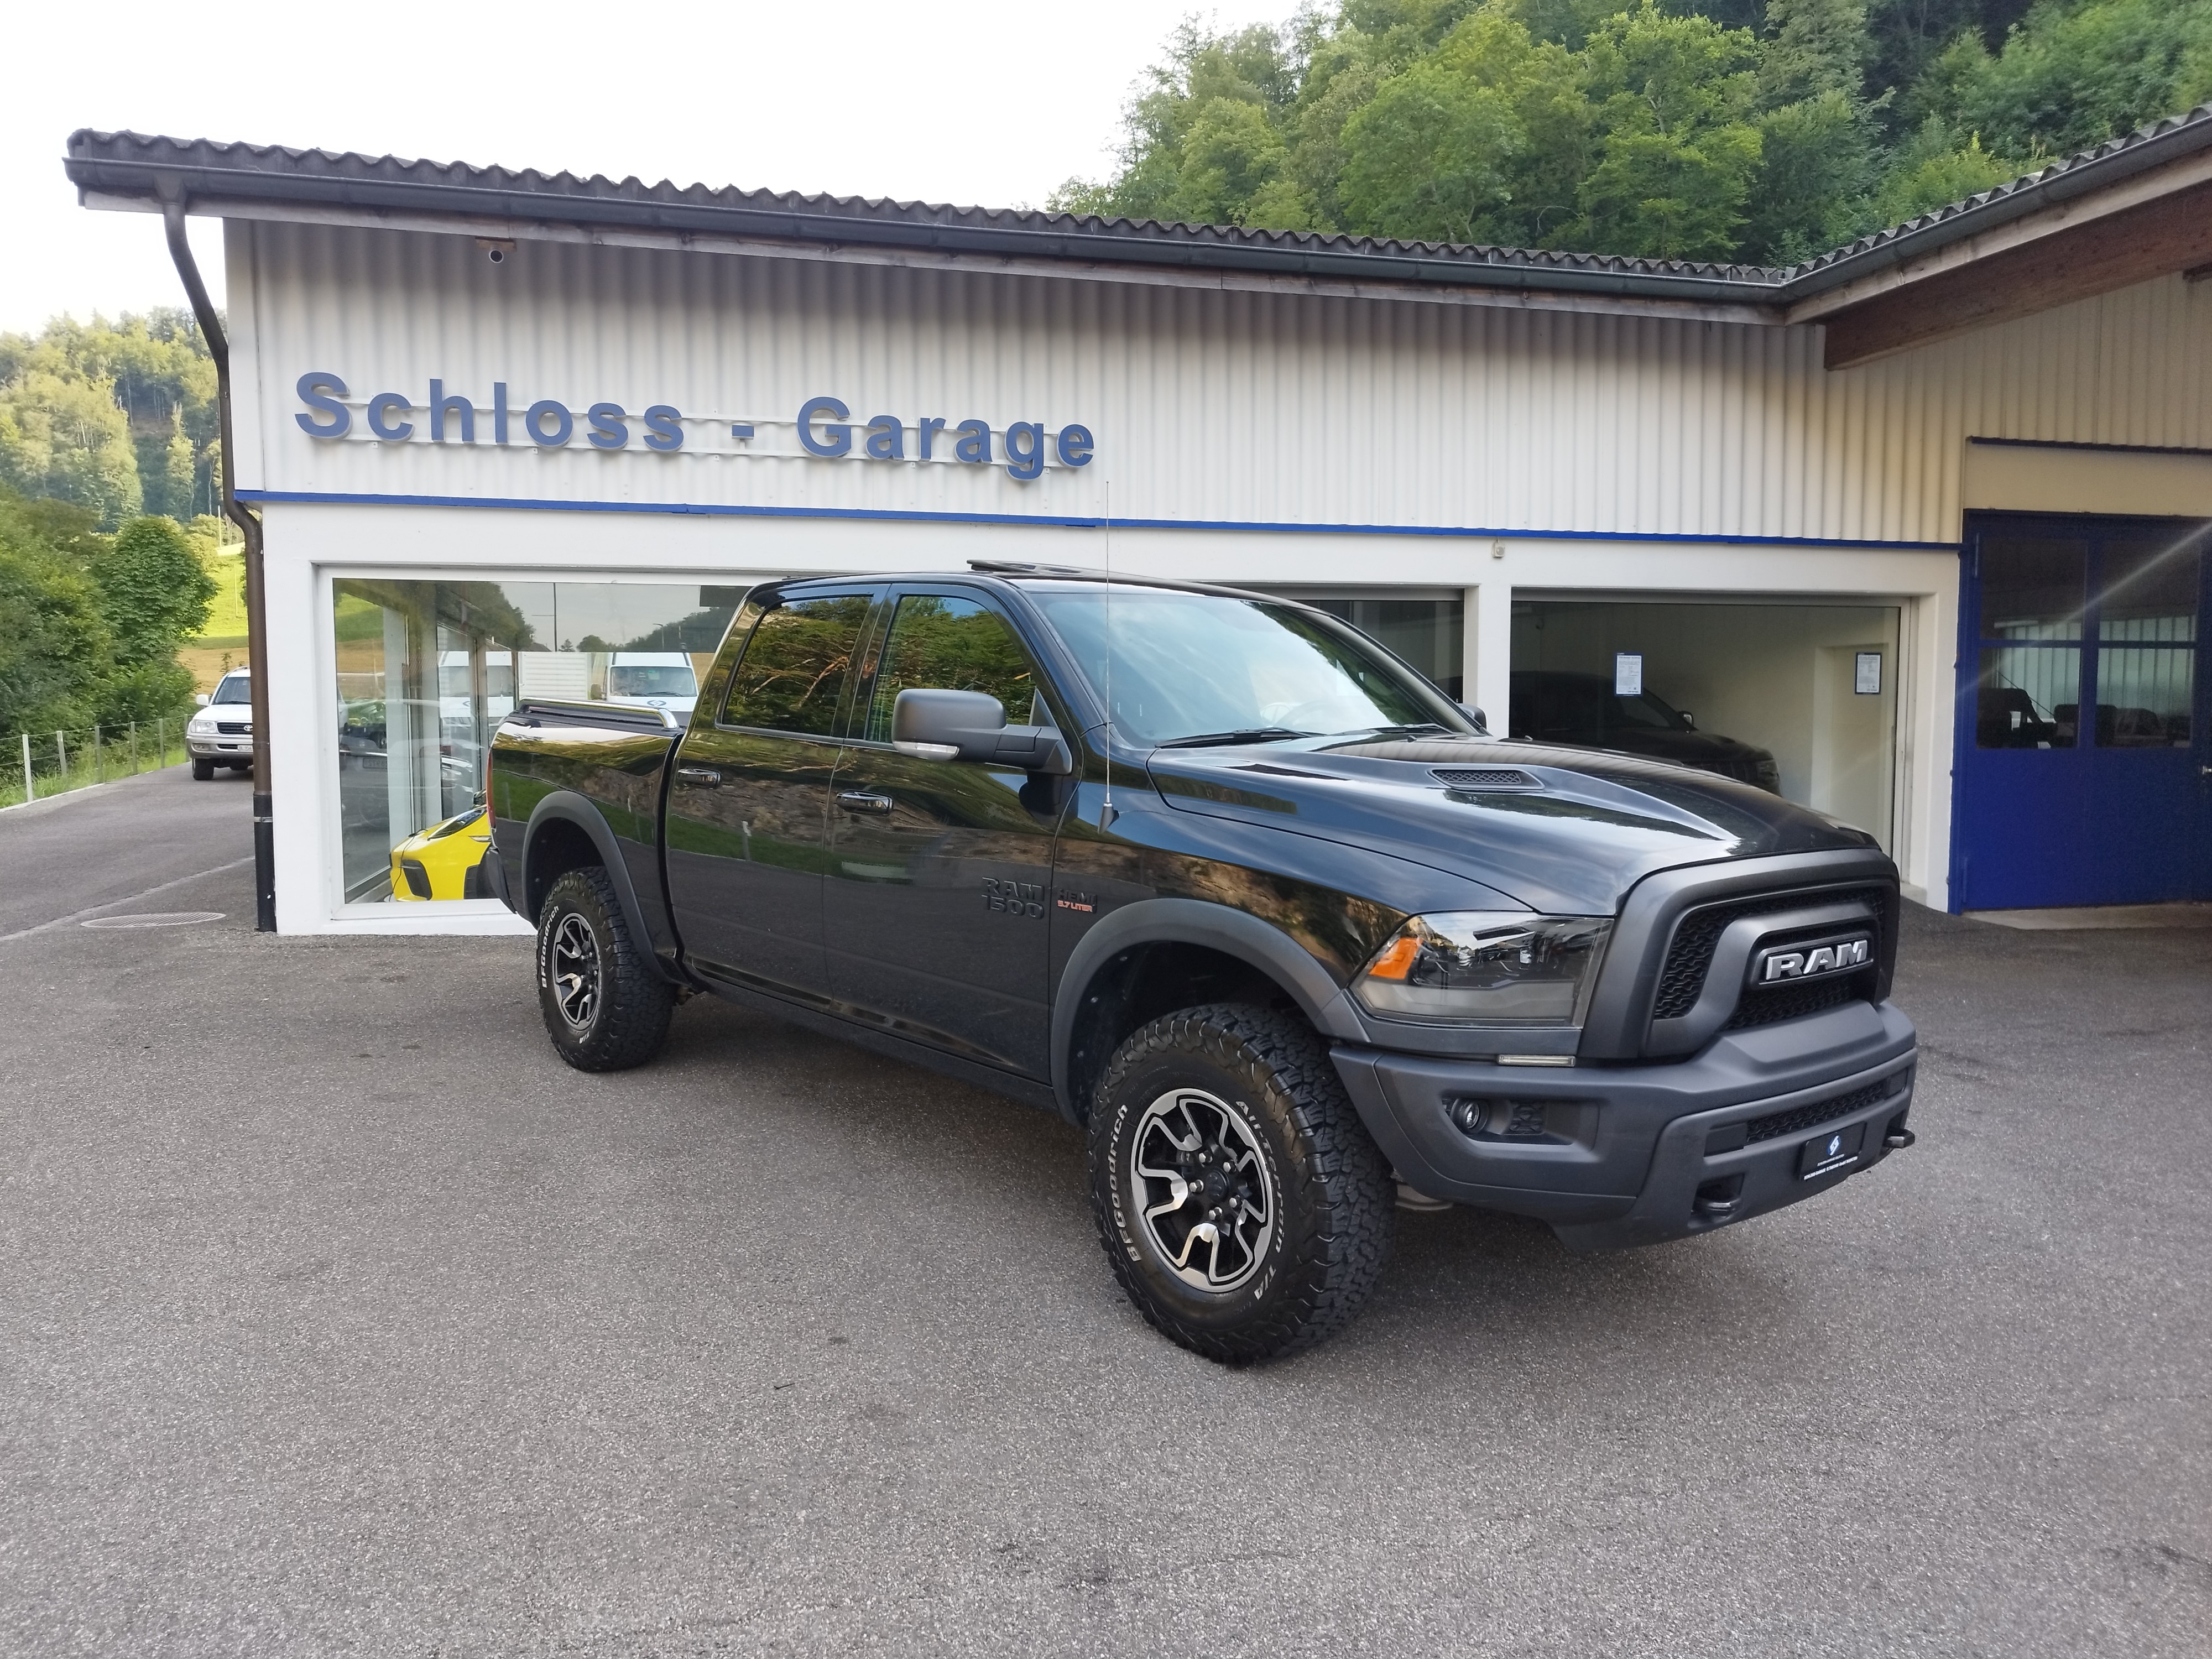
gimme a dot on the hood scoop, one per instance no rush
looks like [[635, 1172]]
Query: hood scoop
[[1485, 777]]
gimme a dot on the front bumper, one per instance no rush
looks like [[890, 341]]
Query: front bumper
[[1612, 1156], [223, 748]]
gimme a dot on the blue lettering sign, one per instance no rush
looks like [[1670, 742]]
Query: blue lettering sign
[[662, 430], [377, 407], [974, 445], [608, 431], [439, 403], [534, 423], [322, 392], [1024, 450], [839, 440]]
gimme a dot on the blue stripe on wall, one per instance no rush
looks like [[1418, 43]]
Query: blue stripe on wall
[[1473, 532]]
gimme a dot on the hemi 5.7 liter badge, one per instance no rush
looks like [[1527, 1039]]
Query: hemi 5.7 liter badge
[[1816, 960]]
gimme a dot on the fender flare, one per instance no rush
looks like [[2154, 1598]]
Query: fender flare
[[569, 807], [1255, 942]]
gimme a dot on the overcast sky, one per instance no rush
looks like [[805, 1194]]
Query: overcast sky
[[983, 103]]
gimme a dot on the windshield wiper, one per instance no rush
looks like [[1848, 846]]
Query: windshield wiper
[[1405, 731], [1253, 734]]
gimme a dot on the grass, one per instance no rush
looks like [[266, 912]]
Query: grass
[[114, 757]]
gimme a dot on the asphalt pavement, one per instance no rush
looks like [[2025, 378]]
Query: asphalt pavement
[[337, 1316]]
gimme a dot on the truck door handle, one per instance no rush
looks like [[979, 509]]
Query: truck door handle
[[854, 800], [705, 776]]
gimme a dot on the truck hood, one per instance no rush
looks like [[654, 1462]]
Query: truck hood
[[1567, 831]]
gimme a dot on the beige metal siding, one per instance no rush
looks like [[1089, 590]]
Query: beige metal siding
[[1208, 406]]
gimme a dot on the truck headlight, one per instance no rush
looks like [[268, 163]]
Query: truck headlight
[[1486, 967]]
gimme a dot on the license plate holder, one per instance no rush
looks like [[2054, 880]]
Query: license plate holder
[[1830, 1152]]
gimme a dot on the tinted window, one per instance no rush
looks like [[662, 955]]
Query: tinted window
[[952, 645], [794, 667]]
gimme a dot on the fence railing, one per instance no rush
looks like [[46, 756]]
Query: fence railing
[[36, 765]]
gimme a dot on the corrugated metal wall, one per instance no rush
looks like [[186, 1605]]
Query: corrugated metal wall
[[1207, 405]]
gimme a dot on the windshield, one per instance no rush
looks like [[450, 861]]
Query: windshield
[[1645, 710], [1190, 665], [630, 680], [235, 688]]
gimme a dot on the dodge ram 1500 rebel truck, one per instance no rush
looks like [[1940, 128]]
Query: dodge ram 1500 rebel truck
[[1222, 881]]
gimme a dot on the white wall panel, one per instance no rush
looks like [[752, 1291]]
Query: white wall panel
[[1207, 405]]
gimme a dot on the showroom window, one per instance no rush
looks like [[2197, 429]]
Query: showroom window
[[427, 669], [1796, 698]]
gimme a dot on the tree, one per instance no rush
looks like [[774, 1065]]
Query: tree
[[153, 589], [55, 649], [66, 438], [77, 397], [1484, 140], [1675, 99], [1767, 130]]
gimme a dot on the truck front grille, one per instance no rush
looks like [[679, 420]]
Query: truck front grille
[[1799, 1119], [1682, 977]]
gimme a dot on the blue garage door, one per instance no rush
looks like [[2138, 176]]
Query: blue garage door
[[2083, 773]]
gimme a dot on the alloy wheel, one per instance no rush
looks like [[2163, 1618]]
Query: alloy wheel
[[576, 971], [1204, 1192]]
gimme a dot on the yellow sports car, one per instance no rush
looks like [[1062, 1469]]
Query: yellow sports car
[[440, 862]]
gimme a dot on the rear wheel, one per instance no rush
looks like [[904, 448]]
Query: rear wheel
[[604, 1003], [1243, 1205], [202, 769]]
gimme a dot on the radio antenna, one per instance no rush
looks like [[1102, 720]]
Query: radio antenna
[[1106, 814]]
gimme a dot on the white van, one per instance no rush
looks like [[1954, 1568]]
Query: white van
[[653, 679]]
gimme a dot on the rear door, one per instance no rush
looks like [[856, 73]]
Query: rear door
[[940, 871], [748, 807]]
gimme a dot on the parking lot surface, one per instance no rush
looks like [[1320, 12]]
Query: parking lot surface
[[340, 1317]]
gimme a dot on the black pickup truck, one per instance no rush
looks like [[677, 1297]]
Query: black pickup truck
[[1240, 893]]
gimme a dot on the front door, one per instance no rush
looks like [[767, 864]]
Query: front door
[[748, 808], [2083, 760], [940, 871]]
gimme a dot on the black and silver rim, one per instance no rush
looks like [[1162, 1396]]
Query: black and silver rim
[[1205, 1197], [576, 971]]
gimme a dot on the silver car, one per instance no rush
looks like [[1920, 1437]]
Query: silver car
[[222, 734]]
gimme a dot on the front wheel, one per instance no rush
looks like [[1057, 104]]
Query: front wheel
[[1244, 1208], [604, 1003], [203, 771]]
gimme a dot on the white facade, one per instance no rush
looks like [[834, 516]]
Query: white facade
[[1454, 443]]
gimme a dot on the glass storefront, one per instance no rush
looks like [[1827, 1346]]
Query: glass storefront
[[427, 669], [1797, 698]]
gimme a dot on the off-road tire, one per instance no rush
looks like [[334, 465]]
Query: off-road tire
[[625, 1020], [203, 771], [1333, 1192]]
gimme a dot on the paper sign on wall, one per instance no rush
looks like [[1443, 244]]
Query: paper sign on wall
[[1628, 673], [1866, 674]]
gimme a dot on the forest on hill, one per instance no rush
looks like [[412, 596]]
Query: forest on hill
[[1758, 132]]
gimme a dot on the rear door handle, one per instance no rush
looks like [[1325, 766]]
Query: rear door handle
[[854, 800], [705, 776]]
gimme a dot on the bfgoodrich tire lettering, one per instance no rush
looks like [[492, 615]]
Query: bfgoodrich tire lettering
[[604, 1004], [1239, 1201]]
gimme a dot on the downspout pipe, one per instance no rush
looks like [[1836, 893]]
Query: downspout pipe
[[174, 206]]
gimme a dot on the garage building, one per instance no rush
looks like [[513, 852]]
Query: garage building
[[1910, 533]]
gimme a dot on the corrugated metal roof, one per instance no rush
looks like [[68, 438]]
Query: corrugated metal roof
[[132, 164]]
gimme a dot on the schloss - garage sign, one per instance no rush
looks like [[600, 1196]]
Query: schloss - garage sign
[[823, 427]]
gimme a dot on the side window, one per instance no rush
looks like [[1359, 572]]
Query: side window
[[954, 644], [795, 666]]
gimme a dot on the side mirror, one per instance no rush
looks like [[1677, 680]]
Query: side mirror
[[200, 698], [971, 726], [1481, 723], [1688, 719]]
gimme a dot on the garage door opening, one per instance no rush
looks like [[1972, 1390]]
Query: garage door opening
[[1800, 699]]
